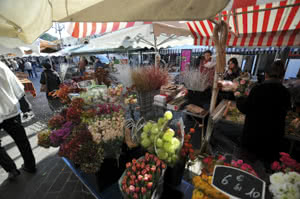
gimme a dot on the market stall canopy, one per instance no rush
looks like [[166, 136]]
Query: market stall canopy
[[26, 20], [48, 47], [272, 24], [152, 35], [21, 50]]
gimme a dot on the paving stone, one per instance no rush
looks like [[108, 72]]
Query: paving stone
[[59, 182], [73, 177], [51, 196]]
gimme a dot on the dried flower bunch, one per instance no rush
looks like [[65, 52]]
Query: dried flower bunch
[[149, 78], [194, 80]]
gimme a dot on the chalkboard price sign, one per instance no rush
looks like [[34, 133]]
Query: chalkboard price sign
[[237, 183]]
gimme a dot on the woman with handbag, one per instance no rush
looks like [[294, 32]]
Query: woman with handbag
[[50, 81]]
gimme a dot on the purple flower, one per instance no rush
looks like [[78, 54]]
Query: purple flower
[[59, 136]]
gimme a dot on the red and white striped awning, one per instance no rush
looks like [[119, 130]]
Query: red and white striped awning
[[271, 24], [84, 29]]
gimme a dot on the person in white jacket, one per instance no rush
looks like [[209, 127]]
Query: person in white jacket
[[11, 91]]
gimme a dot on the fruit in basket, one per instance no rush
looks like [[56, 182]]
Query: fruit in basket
[[168, 115]]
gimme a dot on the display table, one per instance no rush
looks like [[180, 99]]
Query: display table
[[28, 86], [183, 191]]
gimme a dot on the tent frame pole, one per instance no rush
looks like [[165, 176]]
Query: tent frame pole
[[167, 40]]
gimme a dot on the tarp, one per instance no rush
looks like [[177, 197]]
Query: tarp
[[272, 24]]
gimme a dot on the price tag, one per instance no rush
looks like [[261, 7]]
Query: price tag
[[237, 183]]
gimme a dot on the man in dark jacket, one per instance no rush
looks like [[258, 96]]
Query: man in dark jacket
[[265, 108], [51, 79]]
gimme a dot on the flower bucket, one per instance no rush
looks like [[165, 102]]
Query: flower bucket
[[145, 100], [173, 175]]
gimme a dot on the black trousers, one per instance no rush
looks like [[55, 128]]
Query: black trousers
[[15, 129]]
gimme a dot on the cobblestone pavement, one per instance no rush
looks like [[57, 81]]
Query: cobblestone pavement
[[53, 179]]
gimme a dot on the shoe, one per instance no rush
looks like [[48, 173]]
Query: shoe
[[13, 174], [28, 170]]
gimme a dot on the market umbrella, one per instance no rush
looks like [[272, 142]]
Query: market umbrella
[[28, 19]]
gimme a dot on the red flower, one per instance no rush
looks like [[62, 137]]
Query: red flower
[[153, 168], [150, 177], [143, 190], [149, 185], [158, 163], [128, 164], [143, 165], [128, 173], [135, 196], [124, 187], [137, 189], [134, 161], [284, 154], [146, 178], [275, 166], [192, 130], [132, 177], [163, 166], [208, 160], [133, 168], [140, 177], [138, 165], [222, 158], [144, 171], [131, 182], [127, 191], [131, 188]]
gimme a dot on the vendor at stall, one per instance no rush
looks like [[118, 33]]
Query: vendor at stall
[[265, 108], [233, 70]]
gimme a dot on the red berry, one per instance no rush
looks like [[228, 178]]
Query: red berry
[[192, 130]]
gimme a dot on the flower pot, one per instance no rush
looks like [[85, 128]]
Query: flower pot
[[173, 175]]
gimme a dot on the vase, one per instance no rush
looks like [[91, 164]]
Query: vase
[[173, 175], [145, 100]]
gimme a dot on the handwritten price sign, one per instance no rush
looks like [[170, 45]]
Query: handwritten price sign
[[237, 183]]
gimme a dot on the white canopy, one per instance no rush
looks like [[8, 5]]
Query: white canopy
[[148, 35], [28, 19]]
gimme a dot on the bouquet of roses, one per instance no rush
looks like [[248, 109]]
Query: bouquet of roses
[[107, 130], [286, 164], [243, 86], [142, 177]]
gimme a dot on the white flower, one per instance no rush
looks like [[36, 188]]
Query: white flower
[[277, 178], [292, 177]]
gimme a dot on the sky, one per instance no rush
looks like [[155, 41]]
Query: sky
[[55, 33]]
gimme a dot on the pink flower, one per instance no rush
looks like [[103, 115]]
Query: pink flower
[[246, 93], [131, 188], [285, 154], [234, 163], [222, 158], [240, 162], [243, 167], [207, 160], [242, 82], [275, 166], [237, 94]]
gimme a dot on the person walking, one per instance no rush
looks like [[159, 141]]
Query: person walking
[[28, 68], [82, 65], [34, 65], [51, 81], [11, 91]]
